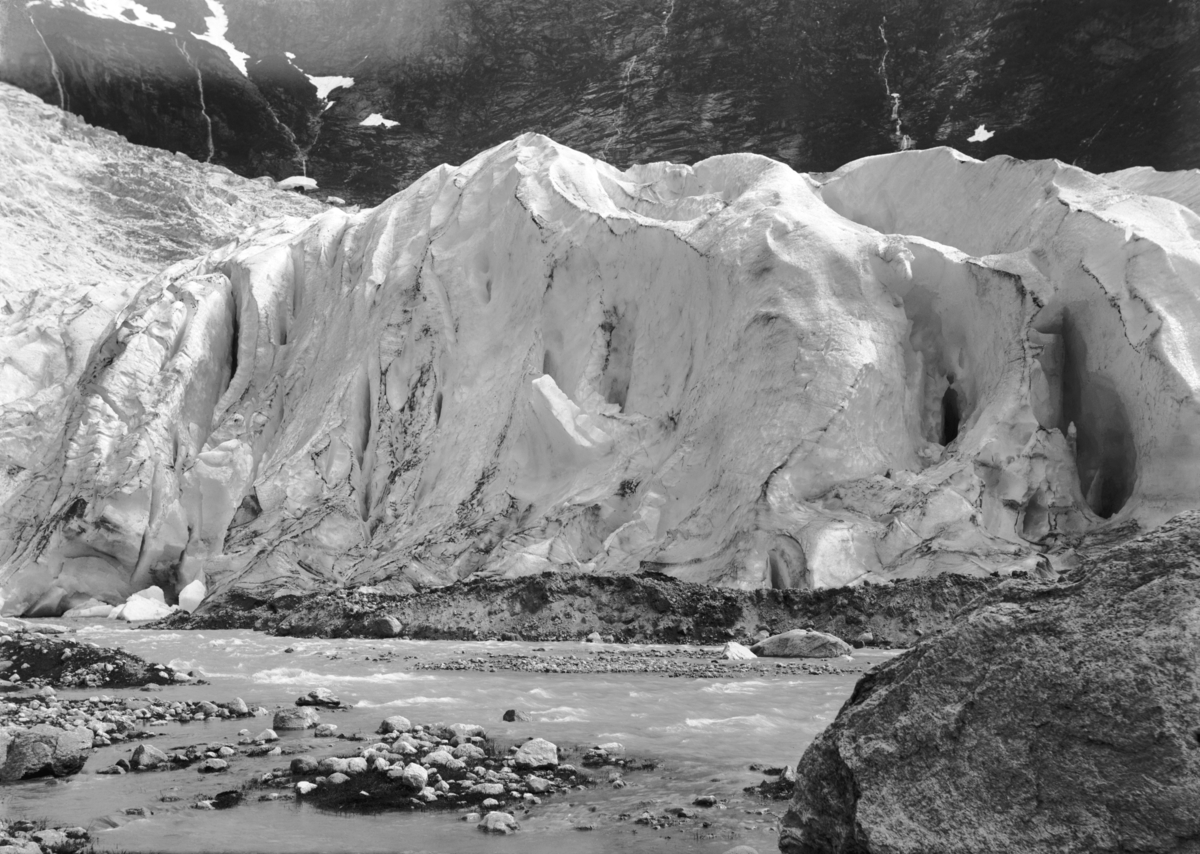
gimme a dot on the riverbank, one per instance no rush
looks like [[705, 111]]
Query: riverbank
[[34, 655], [708, 736], [643, 608]]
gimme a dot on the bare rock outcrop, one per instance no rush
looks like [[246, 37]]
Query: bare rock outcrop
[[1063, 720]]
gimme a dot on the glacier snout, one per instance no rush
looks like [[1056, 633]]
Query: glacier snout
[[732, 372]]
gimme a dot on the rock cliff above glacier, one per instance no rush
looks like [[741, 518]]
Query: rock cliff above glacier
[[731, 372]]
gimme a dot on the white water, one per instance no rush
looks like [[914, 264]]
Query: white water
[[704, 731]]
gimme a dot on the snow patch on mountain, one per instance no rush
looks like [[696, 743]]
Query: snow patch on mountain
[[217, 35], [327, 84], [981, 134], [125, 11], [377, 120]]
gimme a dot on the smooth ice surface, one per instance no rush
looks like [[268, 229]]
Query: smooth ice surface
[[731, 372], [297, 182]]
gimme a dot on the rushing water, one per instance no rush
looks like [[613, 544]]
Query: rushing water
[[705, 732]]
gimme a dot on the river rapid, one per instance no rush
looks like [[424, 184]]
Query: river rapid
[[704, 732]]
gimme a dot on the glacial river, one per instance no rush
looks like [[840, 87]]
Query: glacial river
[[705, 732]]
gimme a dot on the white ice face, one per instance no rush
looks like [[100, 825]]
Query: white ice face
[[729, 372]]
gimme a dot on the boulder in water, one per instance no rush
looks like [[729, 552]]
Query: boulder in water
[[735, 651], [394, 723], [536, 753], [800, 643], [300, 717], [499, 822], [42, 750]]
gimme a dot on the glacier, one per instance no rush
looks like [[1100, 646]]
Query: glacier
[[731, 372]]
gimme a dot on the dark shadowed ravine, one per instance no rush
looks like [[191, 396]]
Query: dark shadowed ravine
[[1105, 85]]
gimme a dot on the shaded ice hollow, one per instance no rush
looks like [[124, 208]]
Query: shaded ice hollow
[[732, 373]]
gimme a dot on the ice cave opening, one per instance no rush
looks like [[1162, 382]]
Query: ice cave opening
[[1105, 453], [951, 415]]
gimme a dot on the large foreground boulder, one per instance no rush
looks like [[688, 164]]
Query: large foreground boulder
[[42, 750], [799, 643], [1065, 719]]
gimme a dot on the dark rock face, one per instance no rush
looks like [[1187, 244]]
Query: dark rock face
[[1060, 720], [1106, 85]]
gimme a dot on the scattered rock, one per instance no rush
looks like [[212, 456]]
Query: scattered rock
[[396, 723], [734, 651], [514, 715], [303, 765], [536, 753], [799, 643], [414, 776], [320, 697], [385, 627], [301, 717], [499, 822], [147, 756]]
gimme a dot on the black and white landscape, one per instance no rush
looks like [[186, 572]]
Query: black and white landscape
[[577, 404]]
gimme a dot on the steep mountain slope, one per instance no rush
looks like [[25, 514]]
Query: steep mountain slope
[[814, 83], [732, 372]]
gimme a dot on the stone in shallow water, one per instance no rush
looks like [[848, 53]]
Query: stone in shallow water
[[536, 753], [301, 717], [799, 643], [395, 723], [499, 822], [735, 651], [147, 756], [42, 750]]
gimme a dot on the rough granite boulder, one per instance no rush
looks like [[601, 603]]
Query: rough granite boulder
[[1054, 719], [146, 756], [301, 717], [799, 643], [536, 753], [42, 750]]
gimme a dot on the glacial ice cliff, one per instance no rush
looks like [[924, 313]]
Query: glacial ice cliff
[[731, 372]]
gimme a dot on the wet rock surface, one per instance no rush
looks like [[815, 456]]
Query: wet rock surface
[[22, 836], [1059, 719], [439, 766], [646, 608]]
